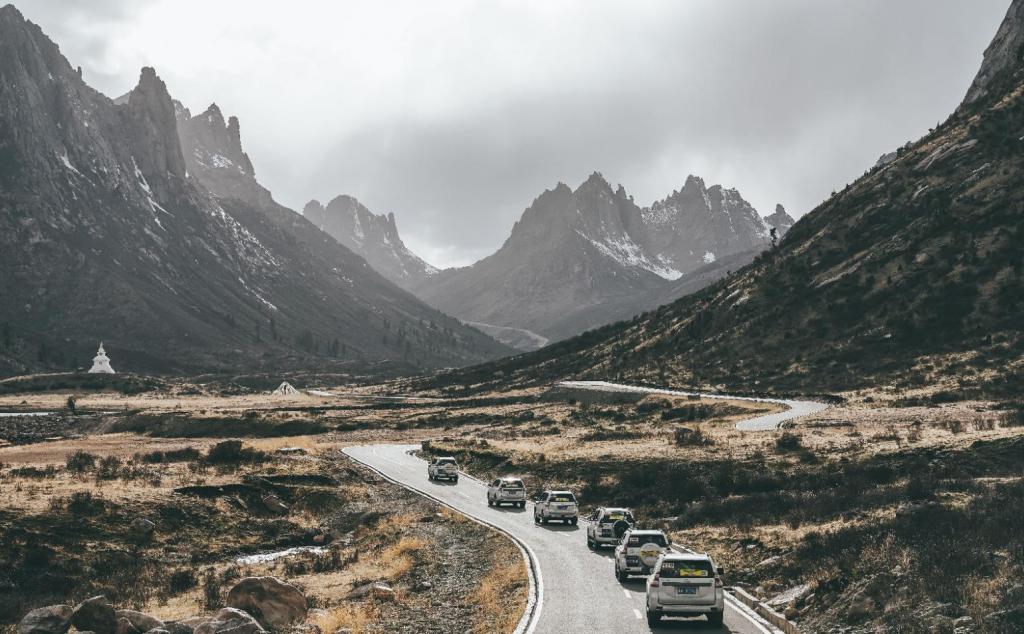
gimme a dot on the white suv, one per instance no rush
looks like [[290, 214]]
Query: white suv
[[506, 491], [443, 467], [556, 505], [638, 552], [607, 525], [685, 585]]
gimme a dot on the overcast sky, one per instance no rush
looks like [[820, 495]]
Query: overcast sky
[[455, 115]]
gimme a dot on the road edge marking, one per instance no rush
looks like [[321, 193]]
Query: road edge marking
[[535, 601]]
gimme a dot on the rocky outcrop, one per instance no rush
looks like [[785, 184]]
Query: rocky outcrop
[[780, 221], [230, 621], [52, 619], [95, 615], [373, 236], [272, 602], [1003, 54], [140, 621]]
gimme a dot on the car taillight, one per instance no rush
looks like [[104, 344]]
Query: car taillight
[[656, 581], [718, 582]]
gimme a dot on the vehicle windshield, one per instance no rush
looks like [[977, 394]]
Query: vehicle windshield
[[636, 540], [562, 497], [512, 484], [686, 569], [446, 461]]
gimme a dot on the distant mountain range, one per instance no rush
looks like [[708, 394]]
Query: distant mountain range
[[576, 259], [135, 223], [912, 275]]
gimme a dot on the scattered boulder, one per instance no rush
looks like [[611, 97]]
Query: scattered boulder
[[274, 603], [376, 590], [230, 621], [140, 620], [53, 619], [95, 615], [142, 529], [273, 504], [124, 626]]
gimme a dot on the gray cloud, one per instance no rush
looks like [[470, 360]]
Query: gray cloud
[[456, 117]]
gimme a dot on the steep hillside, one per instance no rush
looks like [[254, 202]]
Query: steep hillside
[[373, 236], [584, 258], [108, 232], [914, 275]]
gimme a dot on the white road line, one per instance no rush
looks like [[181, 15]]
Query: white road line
[[626, 592], [637, 614]]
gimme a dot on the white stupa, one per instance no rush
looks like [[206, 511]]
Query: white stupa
[[100, 363]]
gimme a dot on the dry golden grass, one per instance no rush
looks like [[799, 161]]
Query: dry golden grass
[[397, 560], [501, 597], [357, 617]]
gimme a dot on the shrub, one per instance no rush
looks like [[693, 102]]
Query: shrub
[[232, 452], [211, 590], [686, 437], [80, 461], [109, 468], [788, 441], [84, 503], [188, 454], [182, 580]]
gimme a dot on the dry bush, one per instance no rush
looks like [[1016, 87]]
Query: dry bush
[[80, 461], [356, 617], [500, 597], [398, 560]]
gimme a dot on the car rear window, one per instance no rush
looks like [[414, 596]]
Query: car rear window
[[615, 516], [512, 484], [686, 569], [636, 540], [446, 461], [562, 497]]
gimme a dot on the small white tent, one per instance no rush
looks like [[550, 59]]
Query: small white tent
[[285, 388]]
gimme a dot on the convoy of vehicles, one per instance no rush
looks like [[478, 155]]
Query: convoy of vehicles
[[443, 468], [678, 584], [556, 505]]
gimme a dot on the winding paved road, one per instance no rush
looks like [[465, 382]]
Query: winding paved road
[[576, 589], [767, 422]]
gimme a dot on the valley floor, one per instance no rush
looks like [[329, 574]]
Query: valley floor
[[843, 519]]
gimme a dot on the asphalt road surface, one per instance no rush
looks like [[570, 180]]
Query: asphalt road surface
[[576, 589], [768, 422]]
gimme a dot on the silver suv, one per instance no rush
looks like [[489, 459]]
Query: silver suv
[[443, 467], [685, 585], [556, 505], [608, 525], [506, 491], [638, 552]]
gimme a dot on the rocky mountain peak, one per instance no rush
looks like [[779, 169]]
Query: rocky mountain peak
[[1003, 54], [781, 221], [153, 132], [373, 236], [213, 151], [595, 182]]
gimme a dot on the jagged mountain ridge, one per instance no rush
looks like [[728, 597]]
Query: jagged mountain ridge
[[375, 237], [582, 258], [912, 275], [109, 233]]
